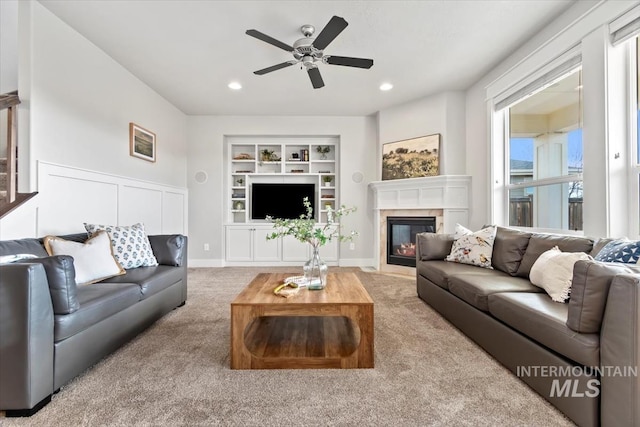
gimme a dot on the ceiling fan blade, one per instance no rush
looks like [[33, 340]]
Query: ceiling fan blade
[[268, 39], [274, 68], [316, 78], [349, 62], [330, 32]]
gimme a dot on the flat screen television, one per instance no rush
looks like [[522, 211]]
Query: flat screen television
[[280, 200]]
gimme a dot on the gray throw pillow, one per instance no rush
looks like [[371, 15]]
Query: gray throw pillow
[[508, 249], [433, 246], [540, 243]]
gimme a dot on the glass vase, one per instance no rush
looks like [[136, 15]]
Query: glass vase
[[315, 271]]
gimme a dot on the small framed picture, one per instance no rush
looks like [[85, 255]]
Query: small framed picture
[[142, 143]]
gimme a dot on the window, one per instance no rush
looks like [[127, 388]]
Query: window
[[544, 156], [635, 146]]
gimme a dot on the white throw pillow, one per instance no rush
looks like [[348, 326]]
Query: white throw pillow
[[93, 260], [473, 248], [553, 272], [131, 245]]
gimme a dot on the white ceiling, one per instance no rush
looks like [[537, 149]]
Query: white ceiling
[[188, 51]]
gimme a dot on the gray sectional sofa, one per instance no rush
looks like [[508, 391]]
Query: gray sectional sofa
[[52, 330], [582, 356]]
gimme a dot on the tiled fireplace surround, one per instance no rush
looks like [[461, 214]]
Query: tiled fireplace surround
[[446, 197]]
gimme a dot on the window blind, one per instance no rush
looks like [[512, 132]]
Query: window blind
[[625, 27], [541, 82]]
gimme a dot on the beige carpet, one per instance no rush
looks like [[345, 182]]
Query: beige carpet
[[177, 373]]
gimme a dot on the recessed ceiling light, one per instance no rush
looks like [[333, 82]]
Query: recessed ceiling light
[[386, 86], [235, 86]]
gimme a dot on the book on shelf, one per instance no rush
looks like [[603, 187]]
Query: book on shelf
[[304, 155]]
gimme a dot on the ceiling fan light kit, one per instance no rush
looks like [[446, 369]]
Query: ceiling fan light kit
[[309, 51]]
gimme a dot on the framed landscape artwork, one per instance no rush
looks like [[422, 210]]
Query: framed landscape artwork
[[411, 158], [142, 143]]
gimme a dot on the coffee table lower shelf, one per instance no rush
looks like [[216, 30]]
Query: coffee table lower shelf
[[294, 342]]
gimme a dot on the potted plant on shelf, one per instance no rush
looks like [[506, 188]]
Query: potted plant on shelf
[[323, 150], [327, 180], [306, 230], [266, 155]]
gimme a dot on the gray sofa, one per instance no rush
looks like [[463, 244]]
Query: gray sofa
[[52, 330], [582, 356]]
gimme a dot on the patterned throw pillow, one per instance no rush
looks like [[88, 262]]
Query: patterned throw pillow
[[625, 251], [473, 248], [131, 245]]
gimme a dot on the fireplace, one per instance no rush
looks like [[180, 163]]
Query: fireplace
[[401, 238]]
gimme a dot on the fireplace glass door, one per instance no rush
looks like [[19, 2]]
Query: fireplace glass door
[[401, 238]]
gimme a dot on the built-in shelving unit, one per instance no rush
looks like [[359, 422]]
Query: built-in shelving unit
[[271, 159], [278, 159]]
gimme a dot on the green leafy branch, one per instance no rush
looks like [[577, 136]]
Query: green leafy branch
[[305, 230]]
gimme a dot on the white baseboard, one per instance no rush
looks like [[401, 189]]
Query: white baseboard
[[205, 263], [357, 262]]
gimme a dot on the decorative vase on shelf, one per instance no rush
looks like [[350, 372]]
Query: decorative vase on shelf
[[315, 271]]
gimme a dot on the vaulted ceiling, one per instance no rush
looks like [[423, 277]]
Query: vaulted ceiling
[[189, 51]]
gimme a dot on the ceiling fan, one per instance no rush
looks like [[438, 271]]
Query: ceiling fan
[[310, 50]]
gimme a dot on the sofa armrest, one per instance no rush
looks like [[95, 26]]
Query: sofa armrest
[[170, 249], [26, 336], [433, 246], [620, 348]]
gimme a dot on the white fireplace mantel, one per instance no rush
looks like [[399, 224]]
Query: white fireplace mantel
[[432, 192], [448, 194]]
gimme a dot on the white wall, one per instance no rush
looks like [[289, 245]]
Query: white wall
[[81, 102], [77, 103], [443, 113], [8, 45], [358, 140]]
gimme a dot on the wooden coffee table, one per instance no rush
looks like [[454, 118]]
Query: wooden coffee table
[[330, 328]]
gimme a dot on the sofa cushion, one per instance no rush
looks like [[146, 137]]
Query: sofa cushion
[[473, 248], [542, 320], [434, 246], [10, 259], [553, 272], [131, 245], [169, 250], [150, 279], [93, 260], [589, 291], [475, 289], [23, 246], [97, 302], [539, 243], [438, 272], [61, 277], [508, 249]]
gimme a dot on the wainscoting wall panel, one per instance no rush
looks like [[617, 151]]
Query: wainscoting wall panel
[[139, 204], [68, 197], [67, 201], [174, 208]]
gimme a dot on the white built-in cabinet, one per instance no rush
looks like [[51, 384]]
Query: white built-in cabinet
[[249, 243], [291, 160]]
